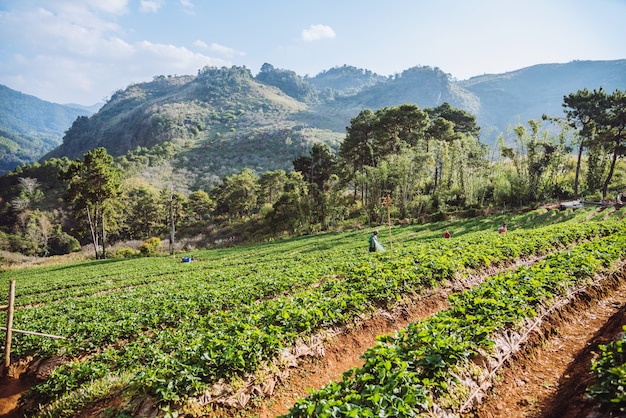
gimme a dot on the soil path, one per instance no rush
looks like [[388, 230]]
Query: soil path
[[10, 391], [344, 353], [550, 381]]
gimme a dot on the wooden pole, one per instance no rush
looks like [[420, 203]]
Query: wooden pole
[[387, 202], [172, 224], [39, 334], [7, 346]]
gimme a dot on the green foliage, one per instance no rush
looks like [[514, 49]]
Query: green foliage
[[237, 195], [609, 369], [344, 80], [186, 326], [93, 188], [424, 365], [149, 247], [287, 81], [62, 243], [125, 252]]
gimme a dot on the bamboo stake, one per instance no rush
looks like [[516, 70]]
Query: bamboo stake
[[7, 345], [40, 334]]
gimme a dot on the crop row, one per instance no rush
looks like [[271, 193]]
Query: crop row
[[40, 285], [100, 319], [609, 369], [183, 338], [429, 368]]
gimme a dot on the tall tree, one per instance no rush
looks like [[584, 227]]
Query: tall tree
[[237, 195], [582, 110], [143, 213], [601, 118], [93, 183], [398, 127], [200, 205], [356, 151], [271, 184], [292, 209], [317, 170], [612, 132], [463, 121]]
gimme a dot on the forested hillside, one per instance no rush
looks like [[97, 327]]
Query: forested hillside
[[226, 154], [30, 127], [223, 108]]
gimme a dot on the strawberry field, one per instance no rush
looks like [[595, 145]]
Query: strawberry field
[[214, 336]]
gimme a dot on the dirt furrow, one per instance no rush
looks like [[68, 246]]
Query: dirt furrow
[[549, 380]]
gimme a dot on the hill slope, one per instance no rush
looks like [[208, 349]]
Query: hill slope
[[530, 92], [30, 127], [194, 130]]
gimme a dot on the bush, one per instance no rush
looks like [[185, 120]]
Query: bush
[[21, 244], [609, 369], [125, 252], [149, 247], [62, 243]]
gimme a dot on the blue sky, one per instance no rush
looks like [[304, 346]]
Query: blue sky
[[82, 51]]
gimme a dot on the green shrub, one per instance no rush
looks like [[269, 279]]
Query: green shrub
[[62, 243], [149, 247], [23, 245], [125, 252], [610, 372]]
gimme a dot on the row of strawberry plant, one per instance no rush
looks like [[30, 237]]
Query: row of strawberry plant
[[40, 285], [609, 370], [209, 346], [423, 369], [105, 318]]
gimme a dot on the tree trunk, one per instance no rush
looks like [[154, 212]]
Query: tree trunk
[[104, 239], [609, 176], [172, 224], [578, 162], [94, 236]]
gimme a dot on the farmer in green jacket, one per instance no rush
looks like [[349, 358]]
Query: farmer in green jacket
[[373, 240]]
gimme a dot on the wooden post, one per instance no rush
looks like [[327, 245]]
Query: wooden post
[[387, 203], [172, 224], [7, 346]]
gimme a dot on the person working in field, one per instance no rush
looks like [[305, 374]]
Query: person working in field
[[502, 229], [374, 244], [447, 234]]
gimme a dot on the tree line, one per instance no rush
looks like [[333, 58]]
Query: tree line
[[425, 161]]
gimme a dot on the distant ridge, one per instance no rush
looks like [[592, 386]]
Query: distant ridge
[[30, 127], [224, 119]]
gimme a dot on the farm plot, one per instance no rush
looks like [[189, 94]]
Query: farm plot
[[443, 365], [211, 333]]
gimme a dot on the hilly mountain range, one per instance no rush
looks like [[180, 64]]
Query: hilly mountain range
[[30, 127], [193, 130]]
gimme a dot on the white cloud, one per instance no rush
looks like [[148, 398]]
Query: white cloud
[[151, 6], [79, 54], [188, 6], [224, 50], [117, 7], [200, 44], [317, 32], [219, 49]]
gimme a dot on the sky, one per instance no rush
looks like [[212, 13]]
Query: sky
[[83, 51]]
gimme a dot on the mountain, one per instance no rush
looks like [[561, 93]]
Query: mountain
[[193, 130], [30, 127], [530, 92]]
